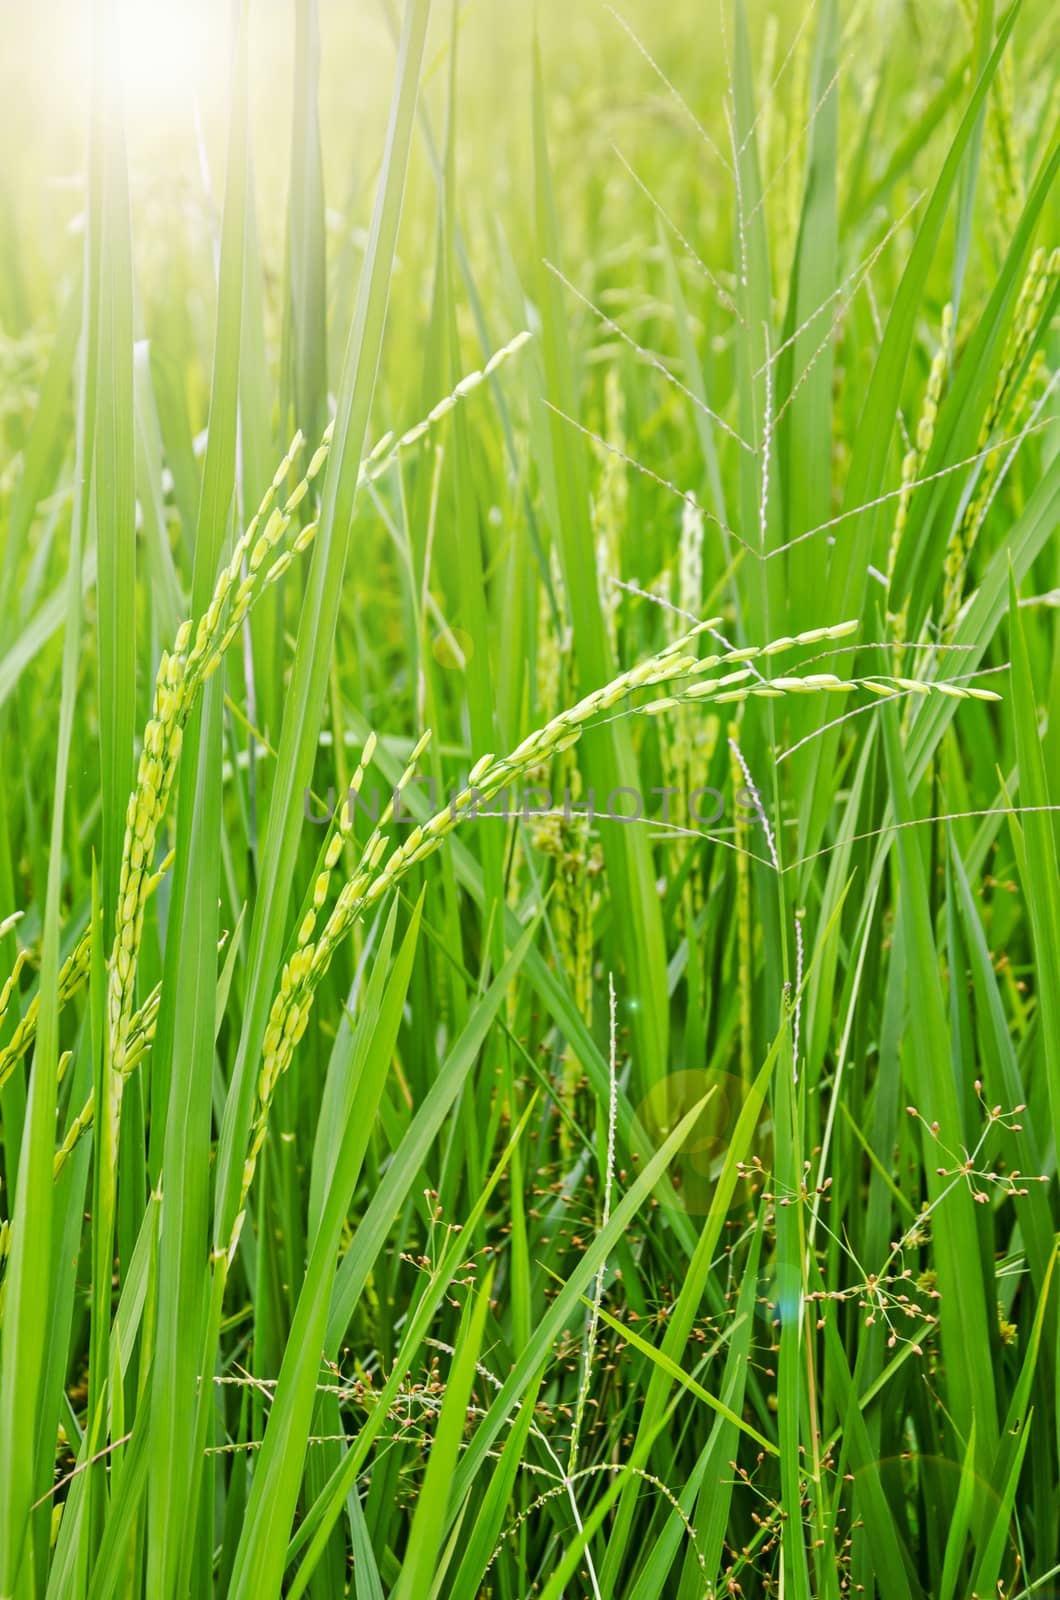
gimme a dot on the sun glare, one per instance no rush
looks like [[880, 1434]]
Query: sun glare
[[161, 45]]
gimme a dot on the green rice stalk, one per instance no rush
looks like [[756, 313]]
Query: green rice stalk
[[374, 878], [1007, 411], [181, 673]]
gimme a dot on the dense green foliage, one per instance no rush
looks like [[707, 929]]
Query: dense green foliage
[[621, 1167]]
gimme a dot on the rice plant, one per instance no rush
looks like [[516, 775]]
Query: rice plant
[[529, 896]]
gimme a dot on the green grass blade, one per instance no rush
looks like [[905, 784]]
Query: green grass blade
[[963, 1308], [26, 1308], [429, 1522], [306, 296], [185, 1039], [260, 1557], [1042, 881], [609, 759], [305, 697], [113, 491], [408, 1160]]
